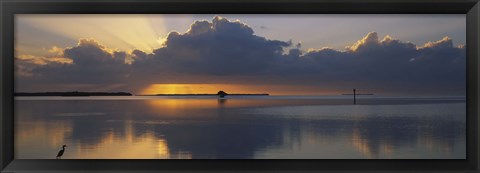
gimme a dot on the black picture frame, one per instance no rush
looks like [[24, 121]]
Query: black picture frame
[[9, 8]]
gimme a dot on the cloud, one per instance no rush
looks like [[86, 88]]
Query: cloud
[[369, 40], [41, 60], [394, 64], [220, 47], [220, 50], [88, 63], [443, 43], [55, 50]]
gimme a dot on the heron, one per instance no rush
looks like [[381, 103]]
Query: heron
[[60, 153]]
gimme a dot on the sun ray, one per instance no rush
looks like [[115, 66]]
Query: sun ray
[[123, 32]]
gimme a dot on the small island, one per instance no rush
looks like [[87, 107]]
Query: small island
[[219, 93], [74, 93]]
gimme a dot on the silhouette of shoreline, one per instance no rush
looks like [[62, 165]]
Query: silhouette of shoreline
[[205, 95], [84, 94], [73, 94]]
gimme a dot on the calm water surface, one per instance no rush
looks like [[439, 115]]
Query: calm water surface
[[239, 128]]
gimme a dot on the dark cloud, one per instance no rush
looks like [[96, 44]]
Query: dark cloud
[[390, 63], [92, 63], [223, 49], [219, 47]]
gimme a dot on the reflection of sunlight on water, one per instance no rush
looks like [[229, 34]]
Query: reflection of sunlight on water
[[162, 148], [195, 107], [368, 148], [176, 104], [130, 146], [387, 148], [111, 147], [427, 140], [164, 153], [191, 128], [47, 136], [362, 144], [179, 103]]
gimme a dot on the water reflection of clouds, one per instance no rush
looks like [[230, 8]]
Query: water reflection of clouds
[[130, 144], [135, 129], [40, 137], [382, 138]]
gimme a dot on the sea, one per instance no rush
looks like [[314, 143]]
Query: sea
[[240, 127]]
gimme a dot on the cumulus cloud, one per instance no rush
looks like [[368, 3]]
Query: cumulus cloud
[[368, 41], [86, 63], [391, 63], [443, 43], [220, 49]]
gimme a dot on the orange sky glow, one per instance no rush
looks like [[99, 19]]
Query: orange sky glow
[[236, 88]]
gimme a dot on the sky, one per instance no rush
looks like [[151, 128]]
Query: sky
[[277, 54]]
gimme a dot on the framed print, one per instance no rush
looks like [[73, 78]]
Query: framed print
[[239, 86]]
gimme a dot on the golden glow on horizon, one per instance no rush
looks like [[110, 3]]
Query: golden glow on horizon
[[237, 88], [190, 88]]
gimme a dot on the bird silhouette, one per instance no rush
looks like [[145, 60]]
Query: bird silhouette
[[60, 153]]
